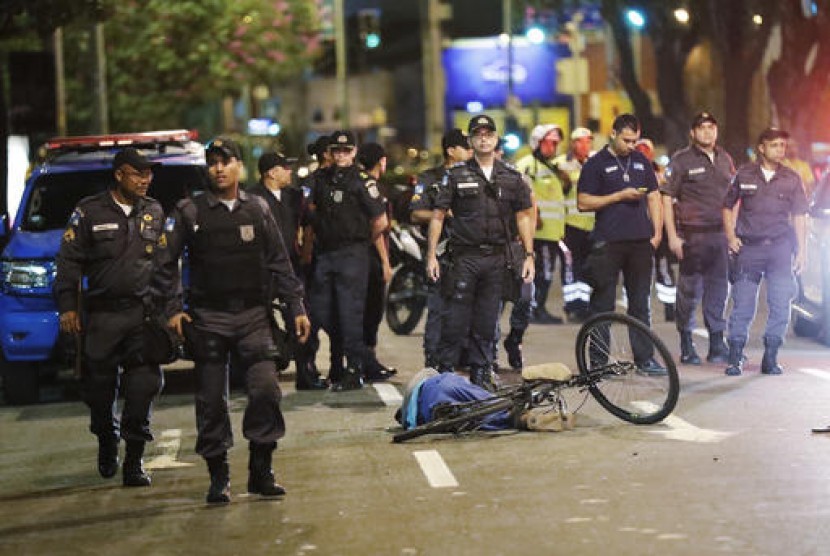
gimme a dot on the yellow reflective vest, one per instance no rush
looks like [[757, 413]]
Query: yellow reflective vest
[[574, 218], [549, 198]]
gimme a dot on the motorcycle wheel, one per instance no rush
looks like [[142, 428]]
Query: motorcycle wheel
[[405, 299]]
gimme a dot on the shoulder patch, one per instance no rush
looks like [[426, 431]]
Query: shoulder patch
[[75, 217], [364, 175], [372, 188]]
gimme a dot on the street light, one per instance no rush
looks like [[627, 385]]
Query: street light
[[535, 34], [635, 18], [681, 15]]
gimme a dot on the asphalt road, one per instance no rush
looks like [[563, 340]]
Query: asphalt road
[[735, 470]]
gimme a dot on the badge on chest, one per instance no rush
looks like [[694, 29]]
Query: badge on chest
[[246, 233]]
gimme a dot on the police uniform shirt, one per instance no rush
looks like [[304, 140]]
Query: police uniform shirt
[[220, 244], [699, 184], [286, 211], [114, 250], [603, 174], [344, 202], [426, 189], [766, 207], [480, 207]]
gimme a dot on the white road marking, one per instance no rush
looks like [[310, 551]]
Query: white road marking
[[818, 373], [388, 394], [433, 466], [170, 444], [678, 429]]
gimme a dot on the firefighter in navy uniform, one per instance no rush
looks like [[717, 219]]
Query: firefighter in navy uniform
[[696, 182], [767, 240], [347, 213], [285, 201], [489, 203], [113, 239], [236, 256]]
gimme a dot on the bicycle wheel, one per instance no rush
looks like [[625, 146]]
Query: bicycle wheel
[[611, 352], [469, 419]]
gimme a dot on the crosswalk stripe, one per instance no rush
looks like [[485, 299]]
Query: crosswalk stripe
[[437, 472], [389, 394]]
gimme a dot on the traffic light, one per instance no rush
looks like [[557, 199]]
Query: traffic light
[[368, 22]]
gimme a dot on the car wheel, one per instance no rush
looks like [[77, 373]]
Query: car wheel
[[21, 382]]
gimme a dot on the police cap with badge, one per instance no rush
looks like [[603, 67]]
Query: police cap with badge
[[225, 146], [478, 122], [342, 140]]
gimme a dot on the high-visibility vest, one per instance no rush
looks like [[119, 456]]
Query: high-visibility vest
[[581, 220], [549, 198]]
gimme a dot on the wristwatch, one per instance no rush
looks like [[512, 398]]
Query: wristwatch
[[530, 254]]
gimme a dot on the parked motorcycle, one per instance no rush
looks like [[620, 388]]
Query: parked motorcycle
[[406, 294]]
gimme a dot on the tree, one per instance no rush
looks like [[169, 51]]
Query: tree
[[800, 78]]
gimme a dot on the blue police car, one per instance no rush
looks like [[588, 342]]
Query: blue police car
[[69, 170]]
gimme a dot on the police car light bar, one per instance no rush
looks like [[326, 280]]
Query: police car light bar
[[122, 139]]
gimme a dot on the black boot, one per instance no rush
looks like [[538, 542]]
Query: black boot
[[718, 351], [483, 376], [260, 475], [688, 355], [377, 371], [736, 357], [220, 480], [133, 474], [769, 363], [308, 378], [351, 379], [513, 347], [107, 456]]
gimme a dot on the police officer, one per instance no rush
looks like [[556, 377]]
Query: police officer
[[112, 240], [486, 197], [767, 238], [372, 158], [347, 214], [539, 167], [455, 146], [578, 224], [619, 184], [285, 201], [236, 257], [696, 182]]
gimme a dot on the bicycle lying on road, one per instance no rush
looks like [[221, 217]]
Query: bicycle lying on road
[[611, 350]]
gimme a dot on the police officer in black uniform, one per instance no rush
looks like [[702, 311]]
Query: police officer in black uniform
[[456, 148], [696, 182], [285, 201], [767, 240], [487, 199], [236, 256], [113, 239], [619, 183], [347, 215]]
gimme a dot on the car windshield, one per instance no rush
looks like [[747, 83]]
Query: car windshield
[[54, 196]]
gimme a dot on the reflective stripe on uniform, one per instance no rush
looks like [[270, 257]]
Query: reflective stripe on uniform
[[666, 294], [578, 291]]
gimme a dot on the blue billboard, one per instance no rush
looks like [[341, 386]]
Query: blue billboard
[[477, 69]]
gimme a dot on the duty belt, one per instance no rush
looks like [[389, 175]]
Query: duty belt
[[226, 304], [113, 304], [481, 249]]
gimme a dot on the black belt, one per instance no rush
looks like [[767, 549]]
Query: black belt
[[227, 304], [481, 249], [754, 241], [113, 304], [690, 229]]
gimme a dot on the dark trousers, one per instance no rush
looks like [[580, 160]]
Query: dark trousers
[[472, 308], [635, 260], [703, 276], [338, 298], [547, 253], [775, 263], [577, 293], [113, 342], [375, 299], [248, 337], [436, 309]]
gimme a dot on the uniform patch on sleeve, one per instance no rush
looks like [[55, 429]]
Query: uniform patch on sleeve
[[372, 188], [69, 235], [163, 240], [169, 224], [75, 218], [419, 189]]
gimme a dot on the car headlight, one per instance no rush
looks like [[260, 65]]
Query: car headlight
[[26, 275]]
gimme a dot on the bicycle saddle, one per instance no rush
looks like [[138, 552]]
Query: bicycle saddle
[[555, 372]]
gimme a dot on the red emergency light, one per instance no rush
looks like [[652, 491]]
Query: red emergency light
[[173, 136]]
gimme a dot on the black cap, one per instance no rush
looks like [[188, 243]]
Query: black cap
[[370, 154], [703, 117], [771, 134], [226, 146], [271, 159], [133, 158], [318, 147], [482, 120], [454, 138], [341, 139]]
